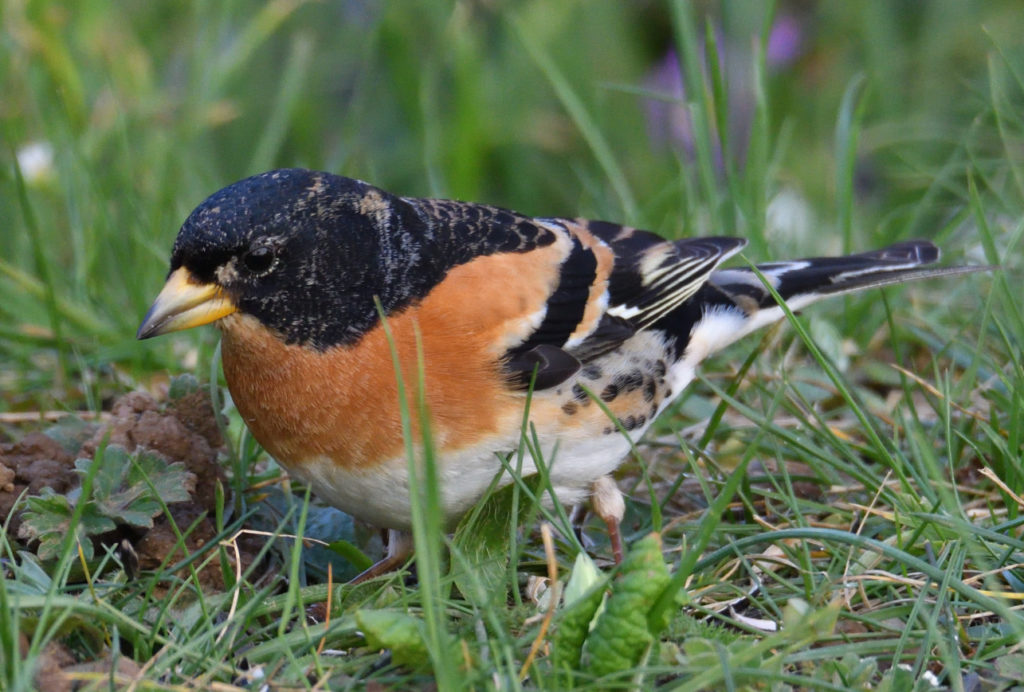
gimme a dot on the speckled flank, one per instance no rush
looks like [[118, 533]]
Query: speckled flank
[[630, 381]]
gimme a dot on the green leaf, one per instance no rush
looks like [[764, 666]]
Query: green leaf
[[28, 576], [400, 632], [899, 678], [71, 432], [48, 520], [482, 541], [830, 341], [125, 490], [130, 490], [337, 529], [700, 652], [574, 625], [1011, 666], [622, 633], [181, 386], [800, 620], [351, 552], [327, 524], [584, 577]]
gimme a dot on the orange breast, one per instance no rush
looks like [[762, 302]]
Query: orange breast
[[343, 403]]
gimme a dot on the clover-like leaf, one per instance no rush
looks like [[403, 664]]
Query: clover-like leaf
[[125, 490], [48, 520], [129, 490]]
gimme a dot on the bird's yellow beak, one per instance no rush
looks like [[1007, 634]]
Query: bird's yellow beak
[[184, 303]]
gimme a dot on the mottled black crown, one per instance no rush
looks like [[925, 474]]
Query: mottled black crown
[[306, 252]]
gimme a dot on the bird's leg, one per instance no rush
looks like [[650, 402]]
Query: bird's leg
[[399, 549], [607, 503], [578, 517]]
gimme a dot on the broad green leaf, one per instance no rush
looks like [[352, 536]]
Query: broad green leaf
[[574, 624], [71, 432], [1011, 666], [622, 633], [122, 493], [400, 632], [482, 540], [584, 577]]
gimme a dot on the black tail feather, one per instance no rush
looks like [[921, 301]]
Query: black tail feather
[[822, 276]]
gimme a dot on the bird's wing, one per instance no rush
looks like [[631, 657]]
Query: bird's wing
[[560, 292], [613, 282]]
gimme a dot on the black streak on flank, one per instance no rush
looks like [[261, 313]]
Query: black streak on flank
[[650, 389], [609, 393], [580, 394], [630, 381]]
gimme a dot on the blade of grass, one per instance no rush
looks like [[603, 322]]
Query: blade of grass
[[44, 272], [292, 83], [700, 107], [581, 117], [847, 135], [425, 506], [709, 522], [936, 574]]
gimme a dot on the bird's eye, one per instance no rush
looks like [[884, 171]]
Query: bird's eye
[[259, 260]]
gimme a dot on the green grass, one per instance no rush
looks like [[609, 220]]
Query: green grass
[[864, 522]]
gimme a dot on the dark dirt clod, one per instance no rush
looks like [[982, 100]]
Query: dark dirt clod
[[34, 462], [184, 429], [50, 665], [57, 670], [159, 545]]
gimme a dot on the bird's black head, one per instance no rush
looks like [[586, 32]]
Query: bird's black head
[[303, 252]]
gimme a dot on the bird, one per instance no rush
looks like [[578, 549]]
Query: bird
[[319, 283]]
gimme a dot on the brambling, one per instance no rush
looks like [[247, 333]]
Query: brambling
[[289, 264]]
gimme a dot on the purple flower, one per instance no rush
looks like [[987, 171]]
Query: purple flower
[[668, 118]]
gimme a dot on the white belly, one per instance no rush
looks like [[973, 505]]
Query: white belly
[[580, 444], [382, 497]]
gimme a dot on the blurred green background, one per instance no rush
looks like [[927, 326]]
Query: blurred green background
[[842, 125]]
